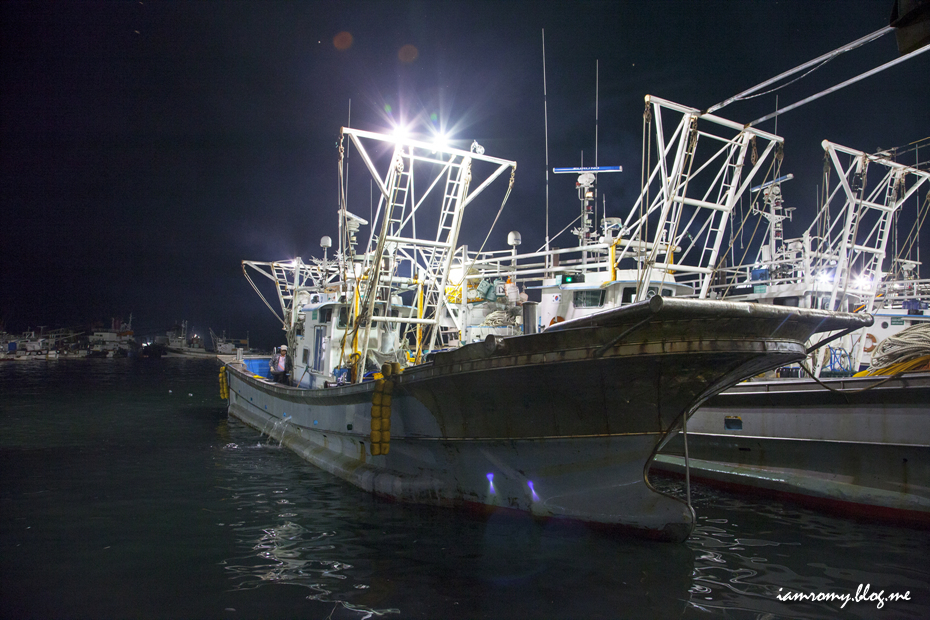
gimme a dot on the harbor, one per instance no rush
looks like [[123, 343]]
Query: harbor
[[465, 310]]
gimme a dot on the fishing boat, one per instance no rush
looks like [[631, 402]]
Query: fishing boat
[[421, 372], [177, 343], [116, 341], [845, 430], [227, 346]]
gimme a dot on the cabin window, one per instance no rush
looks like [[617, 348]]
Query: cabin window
[[319, 344], [306, 356], [343, 318], [794, 302], [326, 315], [589, 299], [628, 293], [667, 292]]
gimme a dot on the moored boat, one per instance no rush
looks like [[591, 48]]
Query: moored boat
[[852, 444], [177, 343], [418, 376]]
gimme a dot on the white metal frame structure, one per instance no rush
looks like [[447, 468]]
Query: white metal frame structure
[[689, 194], [839, 262], [397, 258]]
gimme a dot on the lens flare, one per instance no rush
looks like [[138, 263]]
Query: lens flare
[[408, 54], [343, 41]]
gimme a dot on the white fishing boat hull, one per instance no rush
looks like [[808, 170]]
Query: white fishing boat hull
[[855, 452], [561, 424]]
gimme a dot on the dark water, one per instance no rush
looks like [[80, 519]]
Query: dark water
[[127, 493]]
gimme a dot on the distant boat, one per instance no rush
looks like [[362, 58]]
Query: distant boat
[[178, 343], [227, 346], [117, 341]]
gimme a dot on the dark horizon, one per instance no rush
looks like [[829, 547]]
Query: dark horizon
[[148, 148]]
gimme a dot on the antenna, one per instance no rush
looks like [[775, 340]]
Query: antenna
[[597, 93], [597, 86], [348, 149], [546, 126]]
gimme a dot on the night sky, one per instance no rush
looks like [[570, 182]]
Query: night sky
[[148, 147]]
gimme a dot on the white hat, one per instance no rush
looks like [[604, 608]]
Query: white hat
[[284, 347]]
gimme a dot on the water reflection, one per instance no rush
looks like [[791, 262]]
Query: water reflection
[[300, 526], [749, 553], [126, 497], [268, 490]]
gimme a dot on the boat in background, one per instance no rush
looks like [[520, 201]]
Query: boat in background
[[55, 344], [840, 260], [117, 341], [853, 445], [856, 445], [177, 343], [421, 373], [227, 346]]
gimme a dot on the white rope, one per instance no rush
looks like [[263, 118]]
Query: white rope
[[498, 318], [907, 344]]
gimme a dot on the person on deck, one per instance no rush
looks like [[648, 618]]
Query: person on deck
[[280, 365]]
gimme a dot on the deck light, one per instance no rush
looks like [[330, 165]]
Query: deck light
[[441, 140], [401, 133]]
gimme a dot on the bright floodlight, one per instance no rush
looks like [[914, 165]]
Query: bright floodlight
[[441, 140], [400, 132]]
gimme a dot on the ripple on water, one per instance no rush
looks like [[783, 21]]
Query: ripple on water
[[750, 551]]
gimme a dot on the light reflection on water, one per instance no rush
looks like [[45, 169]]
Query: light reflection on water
[[276, 548], [749, 551], [126, 492]]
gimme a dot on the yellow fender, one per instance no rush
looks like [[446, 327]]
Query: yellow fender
[[380, 437], [224, 384]]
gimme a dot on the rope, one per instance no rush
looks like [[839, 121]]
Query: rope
[[262, 297], [904, 352], [906, 345], [498, 318]]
